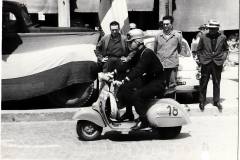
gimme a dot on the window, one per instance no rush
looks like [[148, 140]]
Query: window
[[9, 22]]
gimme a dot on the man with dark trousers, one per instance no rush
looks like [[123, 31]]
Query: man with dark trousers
[[145, 79], [167, 46], [212, 51]]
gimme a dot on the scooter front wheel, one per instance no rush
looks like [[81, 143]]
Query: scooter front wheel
[[88, 131], [169, 132]]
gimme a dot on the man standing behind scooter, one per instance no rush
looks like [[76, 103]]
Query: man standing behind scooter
[[145, 79], [167, 45]]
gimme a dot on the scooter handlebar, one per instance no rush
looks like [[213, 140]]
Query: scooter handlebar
[[106, 76], [117, 83]]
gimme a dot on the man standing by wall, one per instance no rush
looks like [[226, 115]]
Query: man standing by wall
[[212, 51], [167, 45]]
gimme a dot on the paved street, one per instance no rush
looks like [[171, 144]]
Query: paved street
[[210, 136]]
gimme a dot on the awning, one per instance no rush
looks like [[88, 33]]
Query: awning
[[50, 6], [35, 6], [87, 6], [133, 5], [190, 14], [140, 5]]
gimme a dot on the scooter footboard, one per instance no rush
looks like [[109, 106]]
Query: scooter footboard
[[89, 114], [167, 112]]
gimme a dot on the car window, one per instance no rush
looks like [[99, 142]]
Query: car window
[[9, 23]]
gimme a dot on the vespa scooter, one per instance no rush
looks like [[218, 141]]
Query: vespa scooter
[[165, 115]]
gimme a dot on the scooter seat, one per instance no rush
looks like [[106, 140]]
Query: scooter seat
[[169, 93]]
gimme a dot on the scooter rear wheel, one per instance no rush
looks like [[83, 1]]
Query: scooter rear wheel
[[169, 132], [88, 131]]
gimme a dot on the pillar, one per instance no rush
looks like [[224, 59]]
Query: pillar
[[63, 13], [162, 9]]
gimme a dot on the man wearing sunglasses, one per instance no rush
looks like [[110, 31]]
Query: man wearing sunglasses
[[144, 80]]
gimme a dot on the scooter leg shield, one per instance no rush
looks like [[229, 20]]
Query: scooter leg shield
[[167, 112], [89, 114]]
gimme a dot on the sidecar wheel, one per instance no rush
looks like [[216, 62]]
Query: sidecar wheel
[[88, 131], [169, 132]]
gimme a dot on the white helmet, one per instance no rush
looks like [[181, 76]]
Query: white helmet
[[135, 34], [132, 26]]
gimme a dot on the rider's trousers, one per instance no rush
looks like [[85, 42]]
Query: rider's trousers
[[137, 94]]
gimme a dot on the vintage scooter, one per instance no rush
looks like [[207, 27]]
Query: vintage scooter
[[164, 115]]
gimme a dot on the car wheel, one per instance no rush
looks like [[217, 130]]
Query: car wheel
[[88, 131], [74, 95], [195, 96], [169, 132]]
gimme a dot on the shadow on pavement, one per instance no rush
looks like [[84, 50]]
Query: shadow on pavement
[[40, 102], [235, 80], [138, 136], [188, 98], [210, 100]]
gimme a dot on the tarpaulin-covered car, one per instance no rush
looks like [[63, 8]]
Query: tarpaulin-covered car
[[59, 62]]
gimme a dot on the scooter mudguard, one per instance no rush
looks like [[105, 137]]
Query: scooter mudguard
[[167, 112], [89, 114]]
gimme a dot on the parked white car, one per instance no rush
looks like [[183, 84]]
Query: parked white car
[[188, 73]]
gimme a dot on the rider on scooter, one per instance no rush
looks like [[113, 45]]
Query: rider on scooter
[[144, 80]]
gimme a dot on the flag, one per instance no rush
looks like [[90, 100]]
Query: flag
[[45, 63], [113, 10]]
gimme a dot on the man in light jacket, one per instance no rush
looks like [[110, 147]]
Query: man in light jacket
[[167, 45]]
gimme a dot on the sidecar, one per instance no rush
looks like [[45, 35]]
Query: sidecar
[[167, 116]]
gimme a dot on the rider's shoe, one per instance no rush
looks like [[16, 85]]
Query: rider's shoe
[[140, 125], [126, 117]]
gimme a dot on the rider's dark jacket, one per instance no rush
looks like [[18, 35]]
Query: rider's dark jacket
[[144, 80], [143, 63]]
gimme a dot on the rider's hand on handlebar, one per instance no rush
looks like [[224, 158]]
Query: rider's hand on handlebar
[[109, 76], [106, 76], [117, 83]]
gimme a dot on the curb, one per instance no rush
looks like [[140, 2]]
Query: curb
[[37, 115], [66, 114]]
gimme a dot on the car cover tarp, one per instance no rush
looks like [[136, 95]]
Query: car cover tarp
[[43, 63]]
